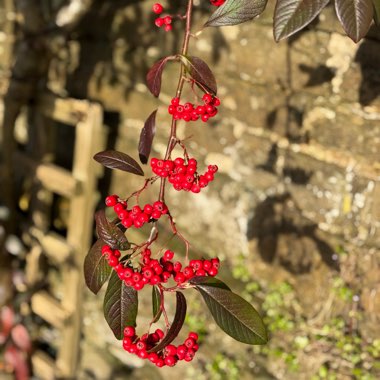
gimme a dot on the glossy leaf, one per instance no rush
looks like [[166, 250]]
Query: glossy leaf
[[110, 233], [202, 75], [376, 15], [292, 15], [234, 12], [176, 326], [207, 280], [96, 268], [117, 160], [154, 76], [156, 304], [146, 137], [234, 315], [120, 305], [355, 16]]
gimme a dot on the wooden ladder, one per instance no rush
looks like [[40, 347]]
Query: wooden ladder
[[66, 253]]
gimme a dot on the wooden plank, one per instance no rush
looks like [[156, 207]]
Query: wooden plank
[[68, 111], [89, 140], [43, 366], [52, 177], [53, 245], [49, 309]]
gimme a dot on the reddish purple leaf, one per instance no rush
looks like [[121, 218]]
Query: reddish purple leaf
[[96, 268], [146, 137], [117, 160], [176, 325], [21, 337], [202, 74], [14, 357], [110, 233], [355, 16], [153, 78]]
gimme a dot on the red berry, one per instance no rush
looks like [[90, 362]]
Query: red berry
[[170, 350], [207, 265], [175, 101], [212, 272], [170, 361], [111, 200], [106, 249], [156, 214], [205, 117], [118, 207], [157, 8], [195, 188], [153, 357], [113, 261], [160, 333], [160, 363], [207, 98], [168, 255], [189, 342], [200, 272], [129, 331], [167, 20], [193, 335], [180, 278], [159, 22], [148, 209]]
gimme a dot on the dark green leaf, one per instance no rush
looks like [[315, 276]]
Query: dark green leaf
[[376, 16], [207, 280], [156, 303], [120, 305], [117, 160], [355, 16], [292, 15], [146, 137], [153, 78], [202, 74], [96, 267], [234, 315], [110, 233], [234, 12], [176, 325]]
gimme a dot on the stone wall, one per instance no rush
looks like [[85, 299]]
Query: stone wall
[[295, 210]]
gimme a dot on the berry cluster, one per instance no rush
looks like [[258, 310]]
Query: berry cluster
[[191, 112], [182, 175], [169, 356], [153, 272], [162, 22], [136, 216]]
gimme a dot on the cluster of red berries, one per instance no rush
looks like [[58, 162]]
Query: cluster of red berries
[[162, 22], [136, 216], [191, 112], [169, 356], [182, 175], [217, 3], [153, 272]]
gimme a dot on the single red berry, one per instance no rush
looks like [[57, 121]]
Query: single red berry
[[181, 350], [156, 214], [170, 361], [180, 278], [167, 20], [207, 265], [123, 214], [179, 161], [153, 357], [168, 255], [189, 342], [111, 200], [216, 101], [200, 110], [106, 249], [189, 356], [212, 168], [132, 349], [195, 188], [212, 272], [118, 207], [200, 272], [140, 345], [129, 331], [205, 117], [127, 222], [136, 277], [154, 280], [177, 266], [157, 8], [160, 363], [175, 101], [160, 333], [188, 272], [207, 98], [193, 335], [139, 285], [148, 273], [195, 348], [170, 350], [159, 22], [113, 261], [127, 342], [148, 209], [215, 262], [196, 264]]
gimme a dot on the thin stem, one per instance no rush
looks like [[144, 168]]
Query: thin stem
[[173, 129]]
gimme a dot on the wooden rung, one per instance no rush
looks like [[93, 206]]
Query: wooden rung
[[43, 366], [54, 246], [68, 111], [49, 309], [52, 177]]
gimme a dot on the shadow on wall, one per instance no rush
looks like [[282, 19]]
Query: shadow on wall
[[286, 238], [368, 57]]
